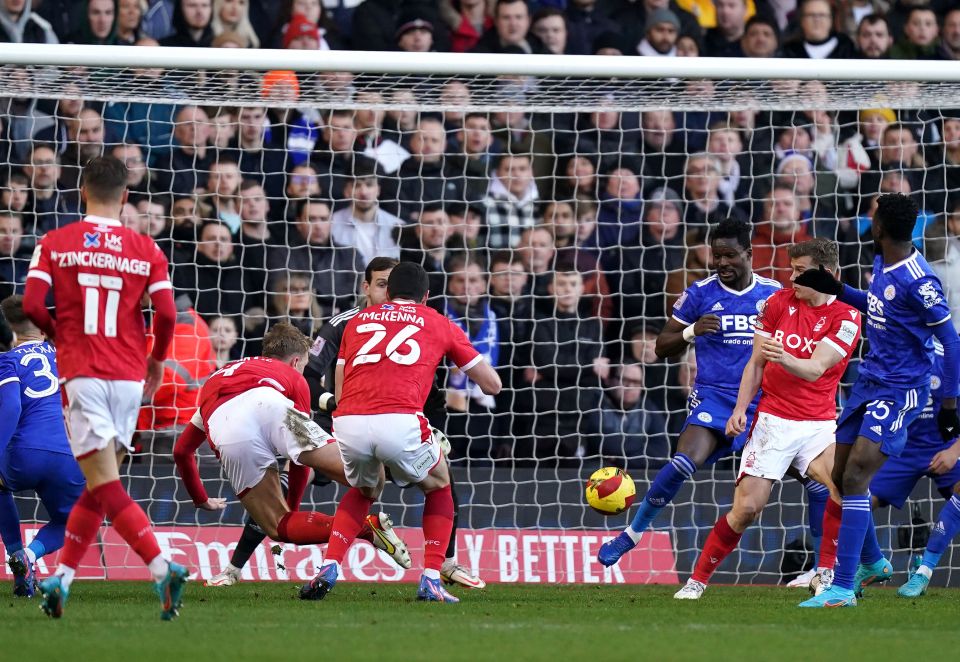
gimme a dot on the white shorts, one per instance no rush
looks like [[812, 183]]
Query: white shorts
[[401, 442], [101, 412], [250, 430], [776, 444]]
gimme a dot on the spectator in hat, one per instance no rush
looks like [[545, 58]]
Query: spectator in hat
[[611, 43], [660, 34], [301, 34], [415, 35], [873, 37], [630, 16]]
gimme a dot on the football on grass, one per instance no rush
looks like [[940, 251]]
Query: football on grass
[[610, 491]]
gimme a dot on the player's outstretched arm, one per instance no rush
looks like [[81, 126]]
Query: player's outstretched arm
[[35, 305], [947, 419], [184, 455], [749, 385], [483, 375], [823, 358], [824, 282], [677, 336]]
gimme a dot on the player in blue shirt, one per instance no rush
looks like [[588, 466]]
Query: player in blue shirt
[[34, 452], [716, 315], [904, 308], [926, 454]]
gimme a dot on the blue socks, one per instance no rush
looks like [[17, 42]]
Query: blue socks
[[665, 486], [871, 552], [9, 523], [817, 497], [943, 532], [857, 518]]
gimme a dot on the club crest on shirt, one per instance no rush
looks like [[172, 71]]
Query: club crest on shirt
[[317, 345], [889, 292], [934, 383], [761, 304], [929, 294], [819, 324]]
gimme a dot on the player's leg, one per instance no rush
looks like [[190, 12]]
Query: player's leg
[[696, 445], [453, 572], [820, 472], [21, 566], [749, 499], [946, 528], [61, 485], [817, 497], [438, 514]]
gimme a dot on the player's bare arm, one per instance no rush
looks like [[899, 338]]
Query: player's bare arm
[[824, 357], [749, 385], [677, 336], [484, 376]]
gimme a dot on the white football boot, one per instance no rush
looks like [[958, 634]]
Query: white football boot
[[803, 581], [385, 538], [693, 590], [228, 577], [454, 573]]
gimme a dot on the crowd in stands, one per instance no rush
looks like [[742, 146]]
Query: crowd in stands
[[558, 241]]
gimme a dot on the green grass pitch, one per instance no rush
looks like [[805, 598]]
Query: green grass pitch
[[108, 621]]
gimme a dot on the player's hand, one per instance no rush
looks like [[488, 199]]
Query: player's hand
[[706, 324], [213, 504], [820, 280], [737, 423], [772, 351], [945, 460], [601, 367], [154, 377], [948, 423]]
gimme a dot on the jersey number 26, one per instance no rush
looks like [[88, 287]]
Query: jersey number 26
[[403, 338]]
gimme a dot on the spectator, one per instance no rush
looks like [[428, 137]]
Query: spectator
[[375, 22], [773, 237], [630, 433], [688, 46], [550, 27], [660, 34], [223, 129], [186, 216], [568, 367], [467, 24], [662, 147], [702, 193], [873, 37], [50, 205], [191, 24], [223, 339], [138, 176], [129, 15], [510, 31], [861, 152], [158, 19], [363, 224], [335, 159], [414, 34], [223, 191], [302, 34], [213, 279], [471, 425], [425, 242], [186, 167], [579, 180], [424, 177], [14, 255], [796, 172], [66, 111], [234, 16], [229, 78], [454, 95], [950, 37], [153, 215], [477, 157], [371, 142], [292, 300], [817, 39], [761, 37], [900, 151], [85, 140], [257, 157], [328, 35], [920, 36], [15, 194], [131, 218], [19, 24], [724, 40], [944, 173], [510, 203], [536, 252], [621, 204], [631, 16], [942, 243], [737, 183], [585, 22], [852, 14], [466, 226], [97, 26], [335, 269]]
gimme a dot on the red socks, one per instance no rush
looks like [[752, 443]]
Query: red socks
[[305, 528], [831, 533], [721, 541], [347, 523], [127, 519], [84, 521], [437, 525]]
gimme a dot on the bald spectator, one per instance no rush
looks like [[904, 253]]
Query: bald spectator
[[184, 169], [724, 39], [818, 40], [662, 147], [779, 229], [510, 203], [510, 31], [761, 37], [873, 37]]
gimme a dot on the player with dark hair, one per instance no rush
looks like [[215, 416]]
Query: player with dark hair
[[905, 308], [254, 410], [399, 343], [802, 343], [34, 450], [319, 374], [716, 315], [100, 272]]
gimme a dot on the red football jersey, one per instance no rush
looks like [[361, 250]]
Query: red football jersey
[[253, 372], [800, 327], [99, 272], [390, 354]]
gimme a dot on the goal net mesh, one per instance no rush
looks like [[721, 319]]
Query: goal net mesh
[[252, 183]]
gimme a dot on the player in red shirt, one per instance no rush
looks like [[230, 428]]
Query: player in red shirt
[[254, 410], [100, 272], [385, 368], [802, 342]]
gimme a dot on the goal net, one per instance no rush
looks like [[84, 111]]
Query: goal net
[[561, 206]]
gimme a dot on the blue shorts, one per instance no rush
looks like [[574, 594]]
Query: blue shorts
[[898, 476], [55, 477], [880, 413], [711, 409]]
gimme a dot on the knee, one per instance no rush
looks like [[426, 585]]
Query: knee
[[743, 515], [855, 479]]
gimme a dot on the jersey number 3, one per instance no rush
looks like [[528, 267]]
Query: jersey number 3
[[92, 284], [404, 338], [54, 384]]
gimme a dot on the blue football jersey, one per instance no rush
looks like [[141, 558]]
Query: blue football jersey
[[722, 356], [905, 301], [34, 366], [923, 432]]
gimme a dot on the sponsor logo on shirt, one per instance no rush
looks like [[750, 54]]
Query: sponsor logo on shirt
[[794, 341], [847, 332], [717, 306], [929, 295], [114, 242], [792, 309], [91, 240]]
